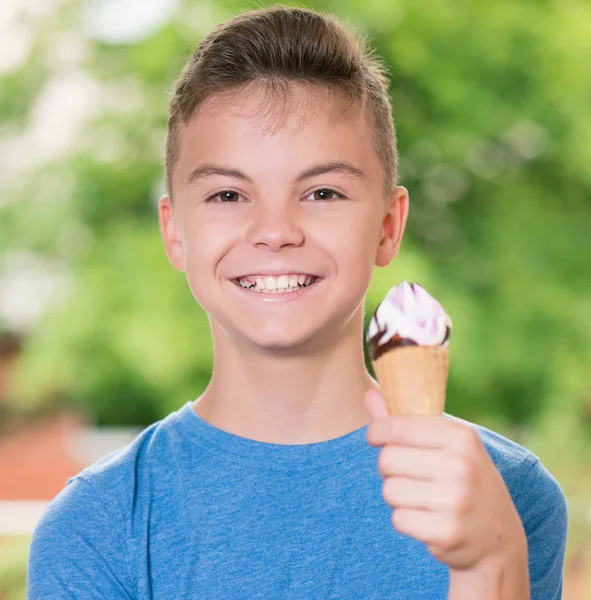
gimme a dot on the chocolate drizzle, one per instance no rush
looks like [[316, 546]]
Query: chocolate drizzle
[[376, 349]]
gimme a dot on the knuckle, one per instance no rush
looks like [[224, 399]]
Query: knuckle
[[397, 428], [450, 536], [436, 551], [467, 438], [462, 504], [457, 502], [463, 470]]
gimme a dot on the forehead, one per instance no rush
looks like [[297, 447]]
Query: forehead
[[273, 105], [264, 129]]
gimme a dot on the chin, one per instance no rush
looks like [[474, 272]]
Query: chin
[[278, 339]]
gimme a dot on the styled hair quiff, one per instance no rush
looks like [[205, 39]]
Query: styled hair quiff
[[277, 46]]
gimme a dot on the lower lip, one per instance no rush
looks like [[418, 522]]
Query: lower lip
[[281, 296]]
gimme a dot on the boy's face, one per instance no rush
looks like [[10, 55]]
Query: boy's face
[[303, 198]]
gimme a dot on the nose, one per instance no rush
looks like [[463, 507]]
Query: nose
[[275, 227]]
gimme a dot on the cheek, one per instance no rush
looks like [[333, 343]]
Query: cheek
[[349, 241], [205, 244], [352, 241]]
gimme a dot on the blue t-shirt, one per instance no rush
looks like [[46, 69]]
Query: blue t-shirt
[[188, 511]]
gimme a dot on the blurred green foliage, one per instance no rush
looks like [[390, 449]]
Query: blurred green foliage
[[13, 567], [491, 108]]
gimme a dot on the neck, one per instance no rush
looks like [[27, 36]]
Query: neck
[[289, 398]]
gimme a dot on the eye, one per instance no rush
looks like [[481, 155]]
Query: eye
[[325, 194], [225, 196]]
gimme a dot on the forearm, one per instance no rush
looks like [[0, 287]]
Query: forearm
[[505, 579]]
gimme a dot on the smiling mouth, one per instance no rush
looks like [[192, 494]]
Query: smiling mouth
[[283, 284]]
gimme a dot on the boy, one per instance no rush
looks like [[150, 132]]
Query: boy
[[281, 479]]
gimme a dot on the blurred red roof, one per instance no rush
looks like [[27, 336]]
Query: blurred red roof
[[36, 458]]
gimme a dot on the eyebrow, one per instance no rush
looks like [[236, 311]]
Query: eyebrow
[[338, 166]]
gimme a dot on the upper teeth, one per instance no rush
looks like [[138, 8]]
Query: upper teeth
[[283, 282]]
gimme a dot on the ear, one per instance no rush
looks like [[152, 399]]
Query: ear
[[170, 233], [393, 226]]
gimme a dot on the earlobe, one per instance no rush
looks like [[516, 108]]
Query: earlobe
[[386, 253], [170, 233], [393, 226]]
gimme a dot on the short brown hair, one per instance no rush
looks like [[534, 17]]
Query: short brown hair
[[276, 46]]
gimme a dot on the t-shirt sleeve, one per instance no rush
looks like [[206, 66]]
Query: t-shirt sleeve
[[542, 506], [76, 550]]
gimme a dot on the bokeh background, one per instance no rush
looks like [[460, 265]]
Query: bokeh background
[[100, 335]]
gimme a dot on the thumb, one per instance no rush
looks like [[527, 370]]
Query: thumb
[[375, 405]]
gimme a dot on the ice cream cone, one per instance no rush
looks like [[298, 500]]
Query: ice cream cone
[[414, 379]]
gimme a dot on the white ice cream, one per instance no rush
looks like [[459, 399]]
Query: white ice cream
[[409, 311]]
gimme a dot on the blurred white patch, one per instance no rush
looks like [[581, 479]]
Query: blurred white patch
[[124, 96], [107, 144], [449, 180], [67, 101], [488, 159], [527, 139], [198, 19], [126, 21], [20, 517], [89, 444], [29, 8], [15, 44], [433, 193], [28, 285], [67, 50], [16, 29], [11, 11]]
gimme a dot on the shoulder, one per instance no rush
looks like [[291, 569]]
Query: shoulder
[[536, 493], [77, 548], [85, 528], [113, 484], [542, 507], [118, 474], [512, 460]]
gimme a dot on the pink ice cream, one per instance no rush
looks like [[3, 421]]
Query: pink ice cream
[[408, 316]]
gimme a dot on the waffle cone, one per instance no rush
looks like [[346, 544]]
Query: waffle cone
[[413, 379]]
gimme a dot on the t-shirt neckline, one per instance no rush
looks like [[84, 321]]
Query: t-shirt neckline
[[274, 456]]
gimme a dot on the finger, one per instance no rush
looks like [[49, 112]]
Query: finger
[[426, 526], [375, 405], [408, 461], [410, 430], [403, 492]]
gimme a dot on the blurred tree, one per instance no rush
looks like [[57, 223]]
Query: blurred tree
[[490, 103], [13, 567]]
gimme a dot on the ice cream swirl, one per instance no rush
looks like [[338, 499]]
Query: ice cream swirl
[[407, 316]]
